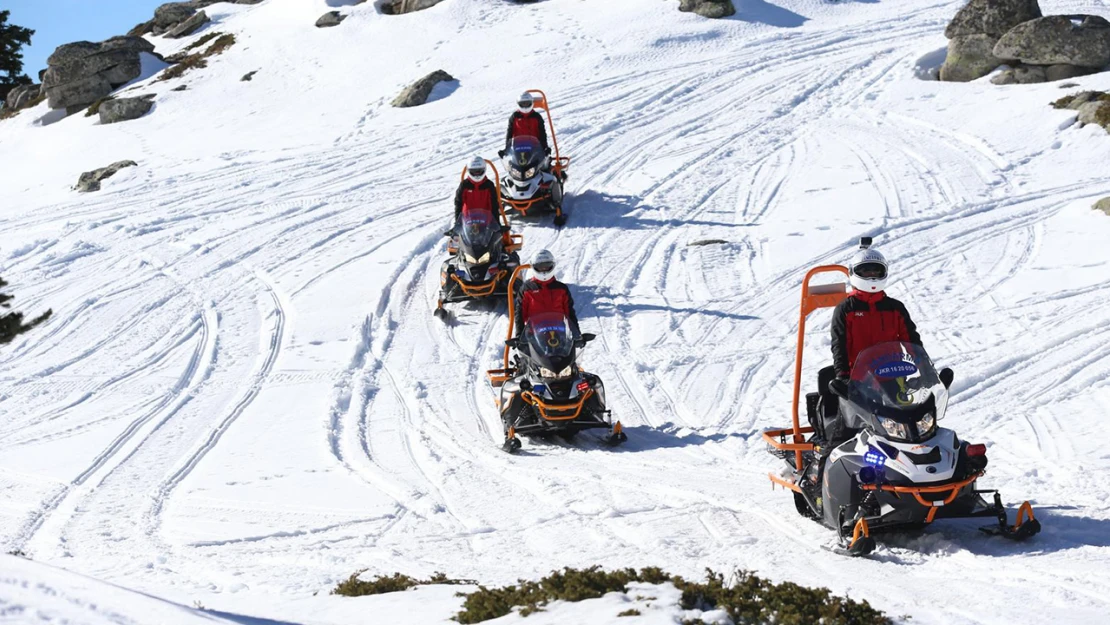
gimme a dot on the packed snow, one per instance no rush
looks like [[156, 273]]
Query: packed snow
[[243, 396]]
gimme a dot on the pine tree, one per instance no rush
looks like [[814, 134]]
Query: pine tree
[[12, 40], [11, 324]]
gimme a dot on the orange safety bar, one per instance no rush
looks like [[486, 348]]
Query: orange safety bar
[[1024, 510], [539, 101], [952, 489], [544, 407], [861, 529], [513, 242], [483, 290], [813, 298], [523, 206], [497, 377]]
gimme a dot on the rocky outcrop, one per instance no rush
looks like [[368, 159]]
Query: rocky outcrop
[[969, 57], [81, 73], [189, 26], [1020, 75], [1090, 112], [708, 8], [22, 96], [90, 180], [418, 92], [329, 19], [125, 109], [397, 7], [1082, 40], [991, 17], [171, 14]]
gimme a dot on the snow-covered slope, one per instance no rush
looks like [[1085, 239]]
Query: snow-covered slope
[[243, 396]]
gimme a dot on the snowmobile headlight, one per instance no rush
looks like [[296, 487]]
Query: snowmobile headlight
[[548, 373], [484, 258], [470, 259], [893, 428], [516, 173], [927, 424], [528, 174]]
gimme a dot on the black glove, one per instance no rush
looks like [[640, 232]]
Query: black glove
[[501, 153], [505, 229], [547, 151], [449, 233]]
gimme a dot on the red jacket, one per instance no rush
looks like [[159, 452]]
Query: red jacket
[[539, 297], [470, 195], [864, 320], [530, 125]]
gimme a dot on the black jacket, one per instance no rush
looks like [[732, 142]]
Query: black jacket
[[864, 320], [541, 135]]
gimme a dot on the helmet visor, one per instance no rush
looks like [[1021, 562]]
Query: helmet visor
[[477, 172], [544, 267], [870, 271], [525, 104]]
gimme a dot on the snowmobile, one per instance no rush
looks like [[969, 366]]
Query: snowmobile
[[482, 259], [544, 391], [534, 182], [873, 458]]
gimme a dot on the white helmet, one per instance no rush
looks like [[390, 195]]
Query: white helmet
[[543, 266], [525, 103], [868, 270], [476, 170]]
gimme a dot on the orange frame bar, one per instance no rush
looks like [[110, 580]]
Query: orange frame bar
[[513, 242], [531, 398], [813, 298], [561, 163], [498, 376], [484, 290]]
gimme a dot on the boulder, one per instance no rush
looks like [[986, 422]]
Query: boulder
[[83, 72], [969, 57], [173, 13], [1081, 98], [90, 180], [1103, 205], [991, 17], [125, 109], [329, 19], [1063, 71], [708, 8], [418, 92], [397, 7], [1088, 111], [1082, 40], [141, 29], [21, 96], [1021, 75], [189, 26]]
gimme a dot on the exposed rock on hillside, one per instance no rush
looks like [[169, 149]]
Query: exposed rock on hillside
[[125, 109], [329, 19], [1103, 205], [418, 92], [969, 57], [708, 8], [397, 7], [90, 180], [81, 73], [189, 26], [21, 96], [991, 17], [1082, 40]]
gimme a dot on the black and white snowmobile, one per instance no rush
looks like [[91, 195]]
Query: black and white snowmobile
[[534, 181], [529, 186], [875, 459], [483, 258], [544, 391]]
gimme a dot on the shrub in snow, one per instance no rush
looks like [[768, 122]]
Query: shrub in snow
[[353, 586], [11, 326]]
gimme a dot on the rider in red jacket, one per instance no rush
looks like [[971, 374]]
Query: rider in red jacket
[[868, 316], [543, 293], [476, 191], [526, 122]]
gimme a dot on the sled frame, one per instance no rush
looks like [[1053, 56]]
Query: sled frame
[[498, 377], [814, 297]]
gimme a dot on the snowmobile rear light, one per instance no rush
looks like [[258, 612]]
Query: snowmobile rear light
[[583, 386], [976, 450]]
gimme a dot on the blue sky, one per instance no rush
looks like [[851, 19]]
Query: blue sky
[[63, 21]]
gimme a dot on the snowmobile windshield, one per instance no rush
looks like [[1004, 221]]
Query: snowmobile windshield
[[525, 157], [549, 336], [897, 384], [478, 229]]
